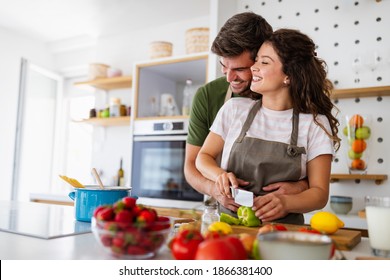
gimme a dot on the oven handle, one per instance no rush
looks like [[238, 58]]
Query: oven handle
[[160, 138]]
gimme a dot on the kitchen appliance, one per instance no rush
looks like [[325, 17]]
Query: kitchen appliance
[[157, 173], [87, 199]]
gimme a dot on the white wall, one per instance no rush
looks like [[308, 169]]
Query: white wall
[[336, 26], [119, 51], [12, 48]]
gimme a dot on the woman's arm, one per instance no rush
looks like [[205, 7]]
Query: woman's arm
[[273, 206], [206, 163]]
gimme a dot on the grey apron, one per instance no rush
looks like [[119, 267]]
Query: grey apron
[[263, 162]]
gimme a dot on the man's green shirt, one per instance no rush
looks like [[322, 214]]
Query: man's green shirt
[[205, 106]]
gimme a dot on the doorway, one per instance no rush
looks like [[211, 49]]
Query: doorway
[[38, 139]]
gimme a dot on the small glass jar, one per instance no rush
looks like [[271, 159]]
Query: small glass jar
[[115, 104], [210, 215]]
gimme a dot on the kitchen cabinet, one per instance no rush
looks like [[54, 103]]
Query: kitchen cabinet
[[108, 84], [157, 78]]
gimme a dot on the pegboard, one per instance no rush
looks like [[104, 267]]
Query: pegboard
[[353, 38]]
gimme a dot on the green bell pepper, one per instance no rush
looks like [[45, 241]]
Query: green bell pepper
[[229, 219], [247, 217]]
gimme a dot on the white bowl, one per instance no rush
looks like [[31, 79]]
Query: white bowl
[[293, 245]]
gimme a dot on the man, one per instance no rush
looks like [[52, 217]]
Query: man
[[236, 44]]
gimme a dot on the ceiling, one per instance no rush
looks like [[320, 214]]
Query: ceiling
[[52, 20]]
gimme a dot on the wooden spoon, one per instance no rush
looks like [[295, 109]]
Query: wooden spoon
[[97, 178]]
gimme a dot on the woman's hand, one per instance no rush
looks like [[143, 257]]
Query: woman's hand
[[269, 207], [227, 179]]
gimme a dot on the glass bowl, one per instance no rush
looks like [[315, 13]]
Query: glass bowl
[[131, 240], [341, 204]]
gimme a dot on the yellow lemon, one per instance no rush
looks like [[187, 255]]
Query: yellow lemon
[[326, 222], [221, 227]]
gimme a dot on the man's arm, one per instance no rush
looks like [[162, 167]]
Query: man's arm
[[202, 184], [288, 187], [193, 176]]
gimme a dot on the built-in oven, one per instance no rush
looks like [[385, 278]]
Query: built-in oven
[[157, 175]]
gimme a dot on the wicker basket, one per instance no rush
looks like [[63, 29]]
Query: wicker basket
[[160, 49], [97, 70], [197, 40]]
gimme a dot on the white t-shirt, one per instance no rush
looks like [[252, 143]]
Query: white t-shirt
[[272, 126]]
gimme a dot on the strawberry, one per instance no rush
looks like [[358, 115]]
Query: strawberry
[[118, 206], [146, 216], [98, 209], [106, 240], [136, 250], [106, 214], [129, 202], [124, 216], [118, 241]]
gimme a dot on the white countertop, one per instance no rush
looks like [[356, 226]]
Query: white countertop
[[83, 246]]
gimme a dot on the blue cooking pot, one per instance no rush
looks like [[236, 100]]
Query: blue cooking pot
[[87, 199]]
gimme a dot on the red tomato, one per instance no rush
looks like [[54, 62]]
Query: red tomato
[[309, 230], [280, 227], [223, 248], [185, 244]]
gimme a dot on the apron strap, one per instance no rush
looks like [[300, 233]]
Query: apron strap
[[228, 95], [293, 150], [248, 122]]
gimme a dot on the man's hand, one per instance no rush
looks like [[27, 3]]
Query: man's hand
[[226, 202], [288, 187]]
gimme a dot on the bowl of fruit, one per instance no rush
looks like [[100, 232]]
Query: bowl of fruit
[[128, 230]]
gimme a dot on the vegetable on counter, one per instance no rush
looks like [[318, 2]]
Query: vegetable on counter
[[247, 217], [224, 248], [185, 244], [229, 219]]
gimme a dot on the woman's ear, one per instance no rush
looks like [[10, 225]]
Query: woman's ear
[[286, 81]]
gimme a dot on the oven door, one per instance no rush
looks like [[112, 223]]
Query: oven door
[[158, 168]]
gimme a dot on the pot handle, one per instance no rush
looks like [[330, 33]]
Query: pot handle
[[72, 195]]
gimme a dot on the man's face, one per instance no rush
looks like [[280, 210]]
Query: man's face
[[237, 71]]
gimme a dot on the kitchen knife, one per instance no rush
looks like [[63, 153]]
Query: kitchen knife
[[242, 197]]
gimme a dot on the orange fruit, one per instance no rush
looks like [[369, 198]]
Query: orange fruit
[[358, 145], [358, 164], [356, 121]]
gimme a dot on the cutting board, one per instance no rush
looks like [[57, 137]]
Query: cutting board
[[344, 239]]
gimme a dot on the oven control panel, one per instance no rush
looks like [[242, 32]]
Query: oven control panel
[[166, 126]]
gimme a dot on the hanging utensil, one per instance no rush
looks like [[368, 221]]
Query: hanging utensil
[[95, 173], [73, 182]]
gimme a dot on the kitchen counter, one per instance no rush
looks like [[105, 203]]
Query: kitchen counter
[[83, 246]]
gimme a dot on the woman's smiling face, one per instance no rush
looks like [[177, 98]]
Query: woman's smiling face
[[267, 73]]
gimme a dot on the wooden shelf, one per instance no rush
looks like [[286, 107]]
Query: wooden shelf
[[114, 121], [378, 178], [361, 92], [109, 83], [179, 117]]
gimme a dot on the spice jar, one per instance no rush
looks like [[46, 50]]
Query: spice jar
[[115, 104], [123, 110], [210, 215]]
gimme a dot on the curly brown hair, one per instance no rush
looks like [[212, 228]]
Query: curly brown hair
[[309, 87]]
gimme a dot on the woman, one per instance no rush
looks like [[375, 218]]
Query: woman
[[288, 135]]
